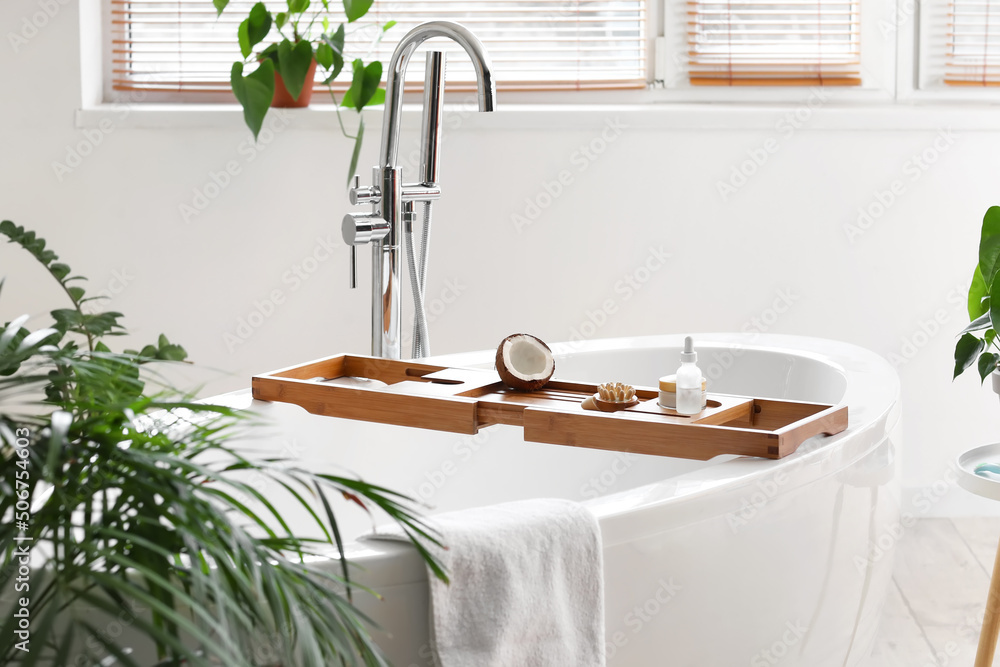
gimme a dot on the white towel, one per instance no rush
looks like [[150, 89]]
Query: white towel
[[527, 586]]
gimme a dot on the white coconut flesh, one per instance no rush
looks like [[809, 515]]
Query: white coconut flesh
[[528, 359]]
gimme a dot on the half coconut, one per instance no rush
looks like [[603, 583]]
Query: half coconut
[[524, 362]]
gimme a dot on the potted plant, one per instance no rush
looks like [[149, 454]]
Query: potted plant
[[978, 341], [286, 66], [120, 494]]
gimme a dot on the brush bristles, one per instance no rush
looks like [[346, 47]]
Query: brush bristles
[[616, 392]]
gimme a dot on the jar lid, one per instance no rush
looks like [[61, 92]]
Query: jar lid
[[668, 383]]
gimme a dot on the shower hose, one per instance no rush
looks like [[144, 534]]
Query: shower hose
[[417, 261]]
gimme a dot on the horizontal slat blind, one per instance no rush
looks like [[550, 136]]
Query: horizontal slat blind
[[973, 43], [535, 44], [757, 43]]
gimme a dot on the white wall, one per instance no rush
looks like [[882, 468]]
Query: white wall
[[784, 232]]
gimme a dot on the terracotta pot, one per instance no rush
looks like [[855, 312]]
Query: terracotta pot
[[282, 99]]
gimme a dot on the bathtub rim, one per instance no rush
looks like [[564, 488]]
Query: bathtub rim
[[875, 389], [875, 392]]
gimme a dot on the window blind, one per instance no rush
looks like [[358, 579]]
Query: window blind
[[757, 43], [973, 43], [180, 45]]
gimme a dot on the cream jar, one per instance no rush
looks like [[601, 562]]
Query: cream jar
[[668, 392]]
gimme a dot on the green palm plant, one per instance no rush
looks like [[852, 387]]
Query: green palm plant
[[128, 495]]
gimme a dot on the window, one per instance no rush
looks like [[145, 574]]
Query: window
[[972, 44], [763, 50], [752, 42], [957, 47], [709, 50], [179, 49]]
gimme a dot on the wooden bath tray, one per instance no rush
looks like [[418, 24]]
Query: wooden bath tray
[[463, 400]]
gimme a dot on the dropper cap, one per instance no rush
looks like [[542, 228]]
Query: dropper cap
[[689, 355]]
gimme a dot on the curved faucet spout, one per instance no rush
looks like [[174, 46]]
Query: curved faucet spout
[[391, 219], [397, 70]]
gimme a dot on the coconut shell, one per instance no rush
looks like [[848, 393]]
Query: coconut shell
[[512, 380]]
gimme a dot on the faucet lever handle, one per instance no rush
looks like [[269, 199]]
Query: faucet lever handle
[[358, 195], [353, 280], [359, 229]]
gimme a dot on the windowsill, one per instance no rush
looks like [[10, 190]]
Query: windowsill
[[899, 116]]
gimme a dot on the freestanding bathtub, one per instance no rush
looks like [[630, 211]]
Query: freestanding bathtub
[[733, 561]]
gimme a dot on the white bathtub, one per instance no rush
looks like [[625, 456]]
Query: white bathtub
[[733, 561]]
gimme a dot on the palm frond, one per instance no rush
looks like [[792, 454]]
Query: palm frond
[[137, 500]]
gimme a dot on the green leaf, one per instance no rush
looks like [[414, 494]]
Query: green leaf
[[260, 23], [326, 21], [364, 84], [280, 19], [254, 28], [373, 76], [336, 41], [355, 9], [324, 55], [987, 364], [989, 244], [35, 339], [147, 352], [978, 324], [977, 291], [89, 324], [336, 44], [61, 422], [297, 6], [377, 99], [243, 37], [254, 92], [29, 241], [332, 520], [219, 6], [966, 351], [293, 65], [337, 67], [13, 333], [269, 53], [388, 25], [59, 270], [170, 352], [995, 303]]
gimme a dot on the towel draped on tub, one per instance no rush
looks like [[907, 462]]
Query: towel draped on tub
[[527, 586]]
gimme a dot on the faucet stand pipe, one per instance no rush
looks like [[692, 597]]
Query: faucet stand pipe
[[386, 265], [383, 227]]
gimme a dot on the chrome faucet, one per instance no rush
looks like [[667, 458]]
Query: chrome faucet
[[392, 213]]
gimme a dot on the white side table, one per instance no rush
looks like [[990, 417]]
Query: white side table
[[986, 488]]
